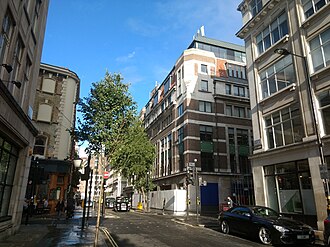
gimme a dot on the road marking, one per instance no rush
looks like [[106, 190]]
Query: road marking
[[108, 216], [109, 237]]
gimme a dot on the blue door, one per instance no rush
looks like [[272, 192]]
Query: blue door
[[209, 199]]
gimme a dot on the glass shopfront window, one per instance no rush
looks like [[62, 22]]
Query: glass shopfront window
[[8, 159], [289, 188]]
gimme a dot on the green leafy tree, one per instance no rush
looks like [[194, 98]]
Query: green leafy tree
[[106, 114], [110, 126], [135, 158]]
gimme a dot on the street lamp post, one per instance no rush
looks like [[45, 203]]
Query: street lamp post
[[87, 170], [285, 52]]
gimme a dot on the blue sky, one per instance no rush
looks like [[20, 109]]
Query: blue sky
[[139, 39]]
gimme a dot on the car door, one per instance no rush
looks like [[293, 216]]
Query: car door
[[240, 220]]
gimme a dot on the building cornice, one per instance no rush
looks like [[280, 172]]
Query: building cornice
[[256, 19]]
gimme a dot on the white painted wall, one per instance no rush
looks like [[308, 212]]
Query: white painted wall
[[175, 200]]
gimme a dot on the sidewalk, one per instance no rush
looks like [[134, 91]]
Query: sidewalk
[[41, 231]]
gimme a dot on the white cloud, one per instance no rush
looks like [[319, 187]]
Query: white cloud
[[126, 58]]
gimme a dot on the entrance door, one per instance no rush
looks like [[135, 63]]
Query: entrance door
[[209, 199]]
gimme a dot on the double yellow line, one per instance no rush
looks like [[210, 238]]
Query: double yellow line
[[109, 237]]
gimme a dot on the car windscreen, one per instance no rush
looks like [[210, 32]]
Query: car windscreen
[[264, 212]]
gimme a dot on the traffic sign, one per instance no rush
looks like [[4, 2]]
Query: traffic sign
[[106, 175]]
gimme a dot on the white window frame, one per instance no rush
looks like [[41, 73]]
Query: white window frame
[[204, 69], [318, 51]]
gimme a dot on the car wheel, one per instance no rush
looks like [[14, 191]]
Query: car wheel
[[224, 227], [264, 236]]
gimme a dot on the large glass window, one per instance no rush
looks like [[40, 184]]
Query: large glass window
[[276, 77], [324, 102], [289, 188], [8, 160], [312, 6], [284, 127], [272, 33], [320, 50]]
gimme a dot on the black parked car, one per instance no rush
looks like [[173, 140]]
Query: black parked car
[[326, 232], [122, 204], [266, 224], [110, 202]]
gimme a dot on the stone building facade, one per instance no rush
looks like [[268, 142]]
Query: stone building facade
[[288, 58], [21, 40], [54, 114]]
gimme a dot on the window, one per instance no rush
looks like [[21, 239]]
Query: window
[[8, 160], [205, 106], [229, 110], [5, 35], [205, 133], [204, 68], [204, 85], [236, 111], [17, 61], [180, 135], [277, 76], [207, 160], [312, 6], [239, 91], [228, 89], [167, 85], [255, 6], [179, 89], [324, 102], [155, 100], [236, 71], [169, 156], [239, 111], [290, 188], [242, 137], [40, 145], [320, 50], [221, 52], [181, 148], [60, 180], [271, 34], [232, 150], [180, 110], [284, 127]]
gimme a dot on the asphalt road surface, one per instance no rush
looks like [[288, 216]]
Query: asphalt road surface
[[134, 229]]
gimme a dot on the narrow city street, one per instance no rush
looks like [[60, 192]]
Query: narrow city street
[[140, 229]]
